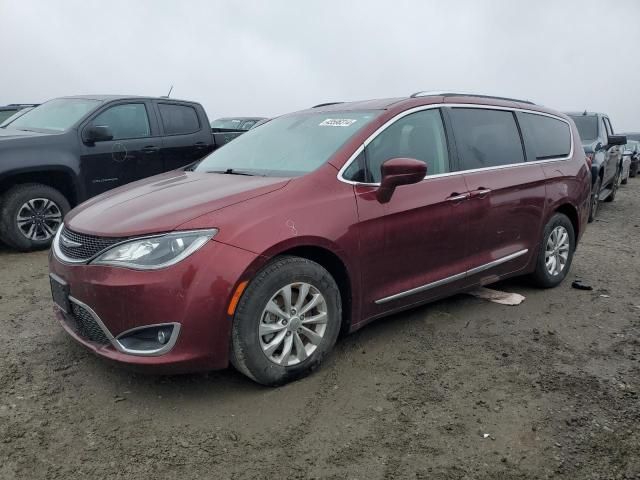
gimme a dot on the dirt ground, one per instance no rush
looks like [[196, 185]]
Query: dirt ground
[[459, 389]]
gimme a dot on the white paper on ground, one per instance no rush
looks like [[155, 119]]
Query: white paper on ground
[[497, 296]]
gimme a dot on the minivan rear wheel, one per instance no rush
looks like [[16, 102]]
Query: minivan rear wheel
[[286, 322], [555, 253], [30, 215]]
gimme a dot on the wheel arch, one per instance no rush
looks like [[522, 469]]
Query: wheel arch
[[572, 213], [59, 177], [324, 254]]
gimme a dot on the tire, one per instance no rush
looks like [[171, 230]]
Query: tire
[[543, 276], [595, 200], [43, 205], [250, 350], [633, 170], [614, 186]]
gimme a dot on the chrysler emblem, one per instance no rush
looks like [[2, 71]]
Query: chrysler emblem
[[69, 243]]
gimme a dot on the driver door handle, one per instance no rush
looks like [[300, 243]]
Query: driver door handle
[[457, 197], [480, 193]]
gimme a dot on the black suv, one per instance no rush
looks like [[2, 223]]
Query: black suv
[[70, 149], [603, 149]]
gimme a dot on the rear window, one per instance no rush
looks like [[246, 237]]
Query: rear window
[[550, 137], [486, 138], [178, 119], [587, 126]]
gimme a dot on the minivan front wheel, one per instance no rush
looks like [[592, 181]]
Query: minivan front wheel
[[555, 253], [287, 320]]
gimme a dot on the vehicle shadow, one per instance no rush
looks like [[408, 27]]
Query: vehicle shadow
[[231, 386]]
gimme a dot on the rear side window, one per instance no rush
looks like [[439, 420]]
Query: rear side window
[[419, 135], [178, 119], [550, 137], [486, 138]]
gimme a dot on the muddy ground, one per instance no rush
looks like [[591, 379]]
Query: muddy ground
[[462, 388]]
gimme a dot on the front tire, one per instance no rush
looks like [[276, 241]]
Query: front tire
[[555, 253], [595, 200], [30, 214], [286, 322], [614, 186]]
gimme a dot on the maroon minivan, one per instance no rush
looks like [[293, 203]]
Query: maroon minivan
[[319, 222]]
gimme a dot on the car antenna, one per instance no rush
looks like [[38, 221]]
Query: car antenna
[[168, 94]]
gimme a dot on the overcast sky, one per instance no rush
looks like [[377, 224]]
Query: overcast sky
[[271, 57]]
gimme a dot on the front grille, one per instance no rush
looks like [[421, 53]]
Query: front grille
[[86, 326], [89, 245]]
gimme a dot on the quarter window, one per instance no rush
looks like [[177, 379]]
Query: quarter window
[[486, 138], [550, 137], [419, 135], [178, 119], [127, 120]]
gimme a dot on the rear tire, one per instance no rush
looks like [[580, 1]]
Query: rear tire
[[556, 252], [296, 341], [30, 214]]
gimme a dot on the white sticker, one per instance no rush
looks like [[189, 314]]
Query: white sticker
[[337, 122]]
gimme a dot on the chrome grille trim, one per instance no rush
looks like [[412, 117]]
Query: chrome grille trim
[[88, 245], [92, 247]]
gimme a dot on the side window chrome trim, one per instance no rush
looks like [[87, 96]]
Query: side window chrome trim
[[389, 122]]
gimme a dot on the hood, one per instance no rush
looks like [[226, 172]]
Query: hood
[[11, 138], [11, 133], [164, 202]]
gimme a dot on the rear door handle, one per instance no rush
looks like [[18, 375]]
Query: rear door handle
[[200, 145], [480, 193], [150, 149], [457, 197]]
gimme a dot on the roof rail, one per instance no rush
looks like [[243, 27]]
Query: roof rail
[[326, 104], [461, 94]]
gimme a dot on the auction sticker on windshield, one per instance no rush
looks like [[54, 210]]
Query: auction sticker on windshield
[[337, 122]]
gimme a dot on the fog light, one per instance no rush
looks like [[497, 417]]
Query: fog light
[[149, 340], [163, 336]]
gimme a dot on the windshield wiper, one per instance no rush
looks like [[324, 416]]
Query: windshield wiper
[[233, 171]]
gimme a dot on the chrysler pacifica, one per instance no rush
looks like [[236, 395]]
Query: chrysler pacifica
[[316, 223]]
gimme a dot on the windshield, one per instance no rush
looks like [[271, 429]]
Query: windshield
[[587, 126], [58, 115], [287, 146]]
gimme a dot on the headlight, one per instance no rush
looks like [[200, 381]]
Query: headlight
[[151, 253]]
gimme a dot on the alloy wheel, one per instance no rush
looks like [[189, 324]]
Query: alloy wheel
[[39, 218], [293, 324], [557, 251]]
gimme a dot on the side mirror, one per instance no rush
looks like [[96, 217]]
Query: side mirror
[[617, 140], [97, 133], [399, 171]]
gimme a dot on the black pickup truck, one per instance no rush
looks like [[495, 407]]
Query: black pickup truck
[[70, 149], [603, 148]]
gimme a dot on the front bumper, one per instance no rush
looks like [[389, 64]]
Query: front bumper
[[192, 295]]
